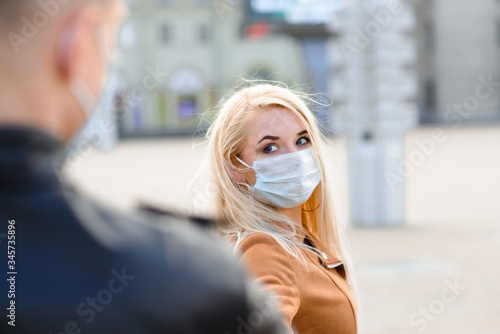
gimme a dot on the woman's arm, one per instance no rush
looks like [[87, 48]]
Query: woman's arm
[[270, 264]]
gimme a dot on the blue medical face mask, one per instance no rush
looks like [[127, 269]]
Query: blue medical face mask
[[286, 180]]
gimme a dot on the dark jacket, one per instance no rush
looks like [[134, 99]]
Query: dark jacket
[[80, 268]]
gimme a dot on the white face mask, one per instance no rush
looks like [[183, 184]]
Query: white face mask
[[287, 180]]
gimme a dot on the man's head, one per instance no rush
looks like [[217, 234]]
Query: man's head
[[49, 49]]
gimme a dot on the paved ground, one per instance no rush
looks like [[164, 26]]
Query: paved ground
[[438, 274], [428, 279]]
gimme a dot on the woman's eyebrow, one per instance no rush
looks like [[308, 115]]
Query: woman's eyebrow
[[276, 138], [268, 137]]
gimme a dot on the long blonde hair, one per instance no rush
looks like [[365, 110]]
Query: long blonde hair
[[240, 214]]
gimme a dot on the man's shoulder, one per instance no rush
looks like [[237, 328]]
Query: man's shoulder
[[171, 255], [157, 234]]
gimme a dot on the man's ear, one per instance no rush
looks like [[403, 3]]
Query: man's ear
[[75, 39]]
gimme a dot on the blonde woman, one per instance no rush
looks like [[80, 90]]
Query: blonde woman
[[271, 181]]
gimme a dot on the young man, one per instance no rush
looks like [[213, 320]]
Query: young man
[[67, 264]]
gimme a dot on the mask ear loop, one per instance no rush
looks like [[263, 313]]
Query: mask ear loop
[[243, 163], [82, 93], [80, 89]]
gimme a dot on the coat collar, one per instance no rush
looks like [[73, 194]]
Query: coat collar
[[26, 158], [326, 258]]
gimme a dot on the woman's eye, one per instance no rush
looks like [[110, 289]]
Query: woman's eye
[[269, 148], [303, 140]]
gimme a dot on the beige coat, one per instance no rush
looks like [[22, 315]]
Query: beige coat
[[314, 302]]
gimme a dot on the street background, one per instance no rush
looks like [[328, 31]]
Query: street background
[[451, 234], [410, 95]]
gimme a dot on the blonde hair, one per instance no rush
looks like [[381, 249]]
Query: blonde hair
[[242, 215]]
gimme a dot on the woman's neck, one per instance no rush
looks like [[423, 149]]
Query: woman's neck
[[295, 214]]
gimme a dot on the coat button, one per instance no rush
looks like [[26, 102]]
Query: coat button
[[324, 255]]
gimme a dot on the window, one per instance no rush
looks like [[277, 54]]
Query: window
[[205, 33], [164, 3], [165, 33], [429, 35], [430, 96], [497, 28]]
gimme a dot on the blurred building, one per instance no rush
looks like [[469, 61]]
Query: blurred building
[[375, 88], [183, 55], [397, 64], [389, 66], [458, 61]]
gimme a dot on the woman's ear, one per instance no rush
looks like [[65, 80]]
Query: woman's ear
[[235, 172]]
